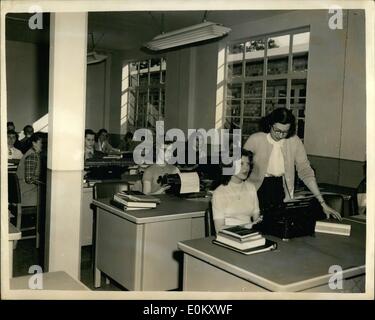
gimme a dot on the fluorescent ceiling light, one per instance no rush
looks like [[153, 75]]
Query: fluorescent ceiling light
[[192, 34], [94, 57]]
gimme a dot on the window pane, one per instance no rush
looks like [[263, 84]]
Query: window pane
[[250, 126], [234, 90], [232, 123], [133, 72], [273, 104], [162, 104], [154, 65], [143, 79], [301, 42], [298, 92], [277, 46], [253, 89], [163, 77], [235, 52], [254, 68], [234, 70], [143, 66], [233, 108], [252, 108], [254, 49], [276, 88], [163, 64], [155, 78], [300, 62], [277, 66]]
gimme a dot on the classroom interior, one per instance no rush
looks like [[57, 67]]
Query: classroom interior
[[90, 70]]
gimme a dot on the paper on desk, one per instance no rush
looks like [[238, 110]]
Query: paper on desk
[[189, 182]]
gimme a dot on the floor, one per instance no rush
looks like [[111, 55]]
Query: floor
[[26, 255]]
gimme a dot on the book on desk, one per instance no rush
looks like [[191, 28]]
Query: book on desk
[[268, 246], [133, 200], [244, 240]]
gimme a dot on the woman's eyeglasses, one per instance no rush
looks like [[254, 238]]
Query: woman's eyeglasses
[[280, 132]]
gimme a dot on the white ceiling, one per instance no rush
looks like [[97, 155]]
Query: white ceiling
[[129, 30]]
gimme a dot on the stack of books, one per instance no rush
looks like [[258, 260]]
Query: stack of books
[[134, 200], [244, 240]]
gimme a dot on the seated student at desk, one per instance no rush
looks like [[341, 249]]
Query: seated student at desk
[[151, 185], [13, 153], [235, 201], [102, 143], [127, 143], [89, 144], [25, 143], [29, 172]]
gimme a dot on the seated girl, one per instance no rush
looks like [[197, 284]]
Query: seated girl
[[151, 177], [235, 201]]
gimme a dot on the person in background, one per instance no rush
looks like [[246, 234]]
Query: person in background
[[13, 152], [277, 152], [127, 143], [89, 143], [159, 169], [29, 172], [25, 143], [11, 126], [235, 201], [102, 143]]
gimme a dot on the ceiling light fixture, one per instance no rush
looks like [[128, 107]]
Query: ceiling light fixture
[[192, 34], [93, 56]]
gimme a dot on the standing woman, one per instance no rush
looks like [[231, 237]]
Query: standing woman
[[28, 172], [277, 153]]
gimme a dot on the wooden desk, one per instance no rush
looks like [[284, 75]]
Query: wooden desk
[[58, 280], [301, 264], [14, 234], [138, 249], [87, 212]]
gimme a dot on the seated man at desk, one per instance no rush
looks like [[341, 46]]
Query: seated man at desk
[[235, 201], [89, 144], [151, 185], [102, 144], [13, 152]]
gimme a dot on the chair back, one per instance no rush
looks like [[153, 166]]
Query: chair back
[[108, 189], [209, 224], [14, 193]]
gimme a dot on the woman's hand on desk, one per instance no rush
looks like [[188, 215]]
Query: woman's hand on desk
[[162, 189], [251, 224], [330, 212]]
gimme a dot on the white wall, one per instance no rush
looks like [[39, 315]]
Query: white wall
[[27, 82]]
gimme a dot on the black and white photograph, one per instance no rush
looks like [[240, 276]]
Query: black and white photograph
[[187, 150]]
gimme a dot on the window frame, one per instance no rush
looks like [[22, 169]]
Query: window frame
[[265, 77]]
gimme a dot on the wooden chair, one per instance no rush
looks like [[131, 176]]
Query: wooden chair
[[15, 200]]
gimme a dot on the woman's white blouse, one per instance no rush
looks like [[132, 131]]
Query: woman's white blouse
[[276, 166], [235, 203]]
